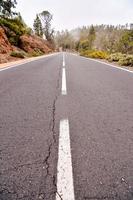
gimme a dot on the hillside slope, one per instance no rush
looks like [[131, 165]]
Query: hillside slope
[[27, 44]]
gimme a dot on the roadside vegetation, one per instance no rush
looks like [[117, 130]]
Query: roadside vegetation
[[18, 54], [12, 22], [14, 28], [17, 40], [111, 43]]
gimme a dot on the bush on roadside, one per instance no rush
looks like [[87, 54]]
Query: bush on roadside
[[11, 25], [126, 61], [115, 57], [18, 54], [85, 52], [94, 54], [36, 52], [14, 28], [121, 59], [98, 54]]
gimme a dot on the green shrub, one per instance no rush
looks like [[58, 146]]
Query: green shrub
[[84, 45], [122, 59], [126, 61], [81, 53], [85, 52], [36, 52], [18, 54], [11, 25], [13, 39], [115, 57], [14, 29], [98, 54], [94, 54]]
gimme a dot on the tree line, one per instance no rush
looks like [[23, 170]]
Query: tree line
[[107, 38]]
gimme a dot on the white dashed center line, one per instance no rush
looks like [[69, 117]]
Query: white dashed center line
[[64, 87], [65, 187], [64, 60]]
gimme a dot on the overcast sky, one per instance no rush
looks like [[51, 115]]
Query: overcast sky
[[69, 14]]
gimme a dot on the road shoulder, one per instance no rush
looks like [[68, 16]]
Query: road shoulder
[[22, 61], [113, 64]]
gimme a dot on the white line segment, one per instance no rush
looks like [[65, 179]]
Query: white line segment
[[64, 87], [65, 187], [64, 60]]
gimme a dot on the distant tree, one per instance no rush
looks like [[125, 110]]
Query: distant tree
[[84, 33], [65, 40], [84, 45], [6, 7], [46, 19], [20, 20], [38, 27], [126, 42], [107, 38], [22, 26], [91, 37]]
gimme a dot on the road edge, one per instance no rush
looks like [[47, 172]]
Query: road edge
[[111, 65], [5, 66]]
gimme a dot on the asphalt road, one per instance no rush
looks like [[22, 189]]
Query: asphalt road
[[98, 103]]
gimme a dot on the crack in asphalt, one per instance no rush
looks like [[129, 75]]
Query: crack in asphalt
[[47, 158], [45, 162], [54, 141], [59, 196], [127, 186], [56, 192], [5, 190]]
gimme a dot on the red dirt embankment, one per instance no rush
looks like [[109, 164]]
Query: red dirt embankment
[[27, 43], [30, 43]]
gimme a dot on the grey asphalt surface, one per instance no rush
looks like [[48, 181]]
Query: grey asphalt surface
[[28, 147], [99, 106]]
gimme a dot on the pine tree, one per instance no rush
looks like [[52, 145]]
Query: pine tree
[[6, 8], [38, 27], [46, 19], [91, 37]]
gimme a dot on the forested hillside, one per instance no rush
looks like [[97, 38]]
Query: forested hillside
[[114, 43], [17, 40]]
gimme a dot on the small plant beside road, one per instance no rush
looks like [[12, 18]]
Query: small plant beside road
[[18, 54]]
